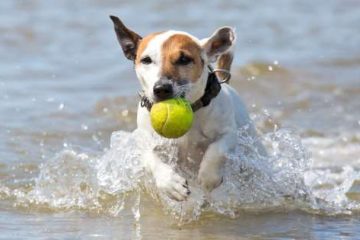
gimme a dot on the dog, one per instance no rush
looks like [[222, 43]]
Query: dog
[[174, 63]]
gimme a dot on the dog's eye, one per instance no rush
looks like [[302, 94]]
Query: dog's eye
[[146, 60], [184, 60]]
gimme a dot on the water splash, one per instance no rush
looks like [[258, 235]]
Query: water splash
[[282, 179]]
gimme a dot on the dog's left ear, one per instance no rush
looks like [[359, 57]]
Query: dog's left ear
[[128, 39], [220, 42]]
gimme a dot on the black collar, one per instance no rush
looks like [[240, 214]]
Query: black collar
[[212, 89]]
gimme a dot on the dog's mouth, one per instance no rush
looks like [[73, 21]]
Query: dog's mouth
[[181, 90]]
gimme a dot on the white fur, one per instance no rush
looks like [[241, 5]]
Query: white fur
[[213, 131]]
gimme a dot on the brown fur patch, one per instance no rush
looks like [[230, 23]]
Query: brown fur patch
[[143, 44], [172, 49]]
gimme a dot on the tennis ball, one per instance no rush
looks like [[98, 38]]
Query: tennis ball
[[171, 118]]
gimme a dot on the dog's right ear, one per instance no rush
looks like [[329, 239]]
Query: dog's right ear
[[128, 39]]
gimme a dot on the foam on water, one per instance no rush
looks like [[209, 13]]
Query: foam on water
[[282, 180]]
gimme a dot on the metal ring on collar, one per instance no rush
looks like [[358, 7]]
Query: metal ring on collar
[[225, 80]]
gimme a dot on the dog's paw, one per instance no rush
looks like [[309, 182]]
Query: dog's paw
[[209, 178], [173, 185]]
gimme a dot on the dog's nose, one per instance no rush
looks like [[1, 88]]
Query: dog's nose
[[163, 90]]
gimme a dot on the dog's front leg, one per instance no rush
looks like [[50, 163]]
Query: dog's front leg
[[166, 179], [211, 168]]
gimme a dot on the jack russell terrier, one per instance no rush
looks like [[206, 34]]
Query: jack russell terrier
[[175, 63]]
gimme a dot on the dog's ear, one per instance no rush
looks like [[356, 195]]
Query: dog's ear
[[220, 42], [128, 39]]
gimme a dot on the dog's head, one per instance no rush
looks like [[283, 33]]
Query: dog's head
[[172, 63]]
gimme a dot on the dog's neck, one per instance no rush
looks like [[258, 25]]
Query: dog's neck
[[212, 89]]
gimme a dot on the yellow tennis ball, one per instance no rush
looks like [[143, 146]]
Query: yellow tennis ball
[[171, 118]]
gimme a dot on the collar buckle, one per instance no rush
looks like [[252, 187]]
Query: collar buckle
[[227, 72]]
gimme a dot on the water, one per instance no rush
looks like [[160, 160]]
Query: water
[[68, 150]]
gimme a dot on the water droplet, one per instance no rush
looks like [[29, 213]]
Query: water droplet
[[125, 113], [61, 106]]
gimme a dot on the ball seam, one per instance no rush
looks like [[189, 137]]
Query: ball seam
[[167, 118]]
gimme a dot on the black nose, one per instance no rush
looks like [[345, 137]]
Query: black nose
[[163, 90]]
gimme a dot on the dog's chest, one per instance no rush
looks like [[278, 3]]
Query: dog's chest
[[194, 144]]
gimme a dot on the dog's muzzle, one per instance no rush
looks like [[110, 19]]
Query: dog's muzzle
[[213, 87], [163, 90]]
